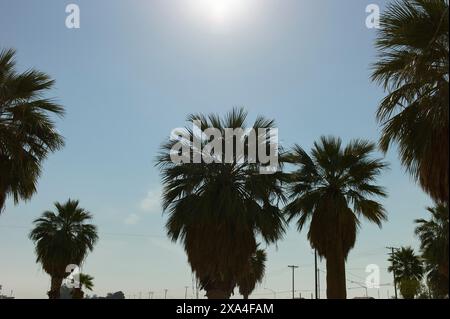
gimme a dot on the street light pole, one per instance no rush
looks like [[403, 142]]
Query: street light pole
[[293, 281]]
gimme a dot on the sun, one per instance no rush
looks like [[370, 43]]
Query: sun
[[221, 13]]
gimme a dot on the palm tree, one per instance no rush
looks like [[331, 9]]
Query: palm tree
[[413, 67], [254, 274], [27, 132], [216, 208], [408, 271], [86, 281], [63, 238], [433, 235], [436, 281], [333, 188]]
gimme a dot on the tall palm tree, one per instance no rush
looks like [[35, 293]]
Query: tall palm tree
[[254, 274], [333, 188], [413, 68], [408, 270], [216, 209], [63, 238], [86, 281], [27, 132]]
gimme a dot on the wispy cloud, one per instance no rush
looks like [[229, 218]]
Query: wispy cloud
[[152, 202], [132, 219]]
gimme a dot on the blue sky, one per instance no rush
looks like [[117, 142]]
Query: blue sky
[[132, 73]]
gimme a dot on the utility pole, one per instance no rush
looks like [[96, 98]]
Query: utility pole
[[318, 281], [165, 293], [185, 291], [315, 274], [293, 281], [393, 269]]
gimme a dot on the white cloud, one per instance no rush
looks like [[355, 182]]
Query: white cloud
[[132, 219], [152, 202]]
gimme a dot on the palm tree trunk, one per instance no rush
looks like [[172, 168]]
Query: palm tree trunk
[[336, 287], [218, 291], [77, 293], [443, 269], [55, 287], [217, 294]]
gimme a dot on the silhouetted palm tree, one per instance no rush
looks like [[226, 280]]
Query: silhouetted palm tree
[[63, 238], [254, 274], [413, 67], [438, 284], [217, 209], [433, 235], [86, 281], [333, 188], [27, 132], [408, 270]]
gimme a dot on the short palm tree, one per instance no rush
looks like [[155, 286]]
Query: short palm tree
[[433, 235], [408, 270], [254, 274], [413, 67], [334, 188], [86, 281], [27, 132], [217, 209], [63, 238]]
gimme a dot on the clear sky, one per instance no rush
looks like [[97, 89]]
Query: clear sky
[[132, 73]]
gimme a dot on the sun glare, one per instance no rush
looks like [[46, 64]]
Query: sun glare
[[221, 13]]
